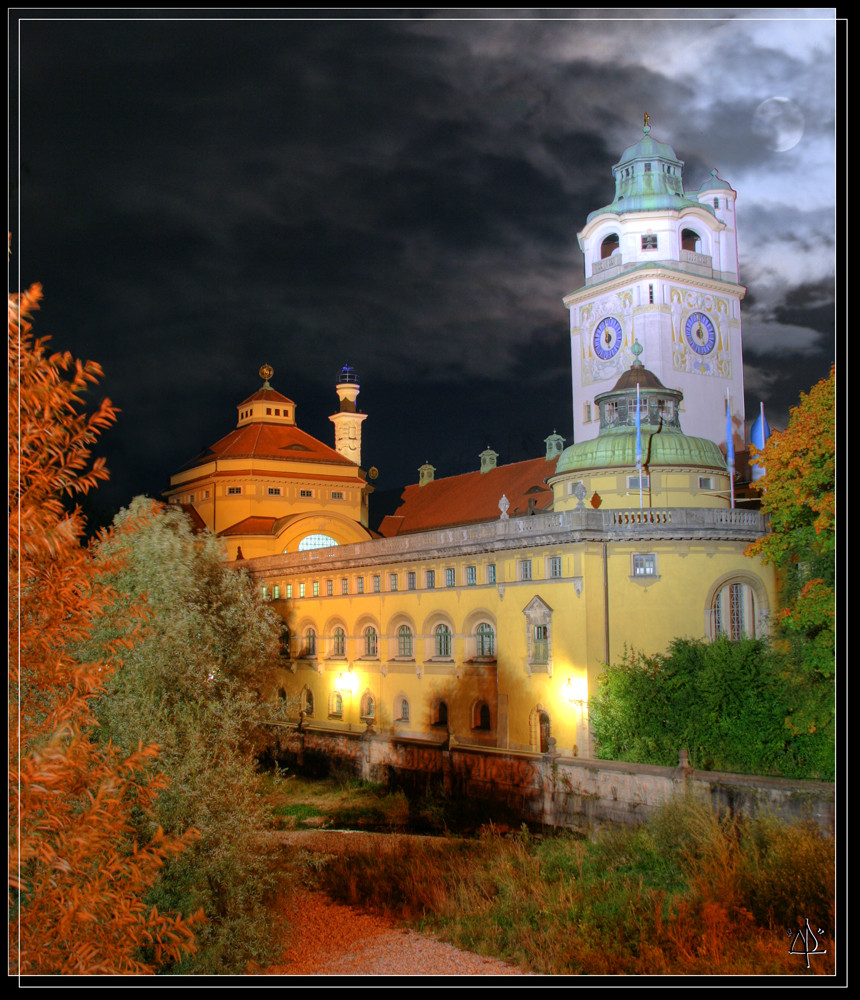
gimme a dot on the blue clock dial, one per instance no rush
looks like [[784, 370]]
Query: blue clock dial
[[607, 338], [700, 333]]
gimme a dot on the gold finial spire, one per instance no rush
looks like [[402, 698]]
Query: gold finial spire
[[646, 127], [266, 372]]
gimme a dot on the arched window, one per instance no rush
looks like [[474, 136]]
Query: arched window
[[284, 643], [609, 246], [404, 641], [370, 641], [316, 541], [443, 641], [336, 704], [485, 640], [308, 701], [404, 710], [338, 646], [690, 240], [441, 714], [734, 611], [310, 642], [481, 716], [368, 706]]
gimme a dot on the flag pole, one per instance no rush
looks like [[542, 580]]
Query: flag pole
[[639, 444], [730, 448]]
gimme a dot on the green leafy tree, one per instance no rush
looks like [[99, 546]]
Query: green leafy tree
[[725, 702], [798, 491], [191, 685], [84, 850]]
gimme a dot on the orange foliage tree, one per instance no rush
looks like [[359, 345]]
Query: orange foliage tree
[[798, 491], [78, 866]]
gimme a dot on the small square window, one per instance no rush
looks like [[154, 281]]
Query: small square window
[[268, 411], [706, 483], [634, 482], [277, 413], [471, 576], [233, 491], [555, 567], [306, 493], [274, 491], [645, 565], [526, 569], [449, 577], [410, 581], [649, 241], [337, 495]]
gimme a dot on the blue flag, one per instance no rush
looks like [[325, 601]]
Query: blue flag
[[759, 433]]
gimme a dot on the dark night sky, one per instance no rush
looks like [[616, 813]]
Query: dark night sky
[[199, 193]]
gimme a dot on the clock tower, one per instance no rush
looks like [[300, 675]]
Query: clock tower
[[661, 267]]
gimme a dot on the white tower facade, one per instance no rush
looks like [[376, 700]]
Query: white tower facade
[[661, 267], [347, 421]]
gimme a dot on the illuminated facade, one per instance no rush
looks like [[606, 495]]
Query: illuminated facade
[[486, 610]]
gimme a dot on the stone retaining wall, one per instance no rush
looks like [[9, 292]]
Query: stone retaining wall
[[575, 793]]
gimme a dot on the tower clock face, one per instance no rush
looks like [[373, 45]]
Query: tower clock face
[[700, 333], [607, 338]]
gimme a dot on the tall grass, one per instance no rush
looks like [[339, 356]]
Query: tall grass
[[688, 893]]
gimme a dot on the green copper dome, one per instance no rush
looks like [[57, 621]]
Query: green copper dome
[[617, 448], [714, 183], [663, 441], [648, 178]]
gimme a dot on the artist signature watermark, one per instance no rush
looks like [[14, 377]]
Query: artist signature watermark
[[805, 942]]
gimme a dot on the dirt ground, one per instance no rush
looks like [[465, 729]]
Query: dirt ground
[[332, 939]]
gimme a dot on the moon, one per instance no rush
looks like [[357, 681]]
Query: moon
[[778, 122]]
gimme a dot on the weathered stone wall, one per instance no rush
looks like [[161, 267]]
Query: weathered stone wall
[[575, 793]]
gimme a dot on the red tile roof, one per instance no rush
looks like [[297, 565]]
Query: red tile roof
[[472, 497], [267, 394], [272, 441]]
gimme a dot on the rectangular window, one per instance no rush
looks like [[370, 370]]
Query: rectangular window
[[306, 493], [491, 573], [377, 584], [359, 585], [651, 294], [337, 495], [431, 579], [526, 569], [649, 242], [410, 581], [555, 567], [276, 592], [645, 565], [392, 581], [471, 576], [289, 591], [633, 482], [301, 590], [268, 411], [233, 491], [329, 587], [541, 644], [588, 413], [344, 586], [274, 491], [449, 578], [316, 586], [706, 483]]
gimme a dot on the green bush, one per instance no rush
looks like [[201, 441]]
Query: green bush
[[731, 704]]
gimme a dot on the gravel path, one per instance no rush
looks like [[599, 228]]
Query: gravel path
[[332, 939]]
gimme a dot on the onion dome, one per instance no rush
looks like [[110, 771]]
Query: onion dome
[[714, 183], [648, 178]]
